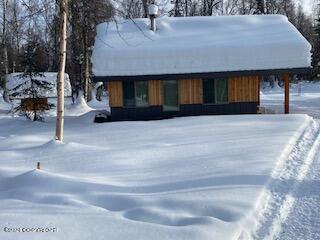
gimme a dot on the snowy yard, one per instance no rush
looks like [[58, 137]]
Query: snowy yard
[[307, 101], [209, 177]]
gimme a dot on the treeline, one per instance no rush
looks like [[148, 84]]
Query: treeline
[[37, 21]]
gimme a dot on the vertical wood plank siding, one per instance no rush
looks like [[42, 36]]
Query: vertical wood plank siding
[[190, 91], [115, 94], [244, 89], [241, 89], [155, 93]]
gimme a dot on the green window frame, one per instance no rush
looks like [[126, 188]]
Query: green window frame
[[215, 91], [135, 94]]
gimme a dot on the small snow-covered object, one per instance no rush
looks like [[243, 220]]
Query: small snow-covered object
[[101, 117], [153, 9]]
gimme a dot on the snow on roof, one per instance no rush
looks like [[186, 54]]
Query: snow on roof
[[14, 79], [198, 45]]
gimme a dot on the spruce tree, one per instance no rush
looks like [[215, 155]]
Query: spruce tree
[[316, 46], [33, 86]]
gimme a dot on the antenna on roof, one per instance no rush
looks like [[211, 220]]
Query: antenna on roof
[[153, 12]]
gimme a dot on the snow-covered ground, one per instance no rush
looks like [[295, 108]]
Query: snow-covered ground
[[209, 177], [299, 198], [307, 101]]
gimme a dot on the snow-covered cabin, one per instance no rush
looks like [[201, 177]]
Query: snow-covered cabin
[[17, 78], [195, 65]]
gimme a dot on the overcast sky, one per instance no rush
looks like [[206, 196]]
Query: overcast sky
[[307, 5]]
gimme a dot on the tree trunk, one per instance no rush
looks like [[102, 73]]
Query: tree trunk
[[5, 49], [15, 34], [145, 8], [56, 38], [87, 75], [243, 7], [62, 66], [87, 89], [260, 6]]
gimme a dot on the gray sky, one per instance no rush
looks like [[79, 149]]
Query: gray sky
[[307, 5]]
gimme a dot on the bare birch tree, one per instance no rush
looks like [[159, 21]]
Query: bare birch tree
[[62, 65], [5, 48]]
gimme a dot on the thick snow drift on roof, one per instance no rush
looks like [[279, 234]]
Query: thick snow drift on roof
[[14, 79], [199, 44]]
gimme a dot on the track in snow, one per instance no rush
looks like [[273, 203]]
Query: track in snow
[[290, 208], [303, 221]]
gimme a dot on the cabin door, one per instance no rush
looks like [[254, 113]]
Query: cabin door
[[170, 95]]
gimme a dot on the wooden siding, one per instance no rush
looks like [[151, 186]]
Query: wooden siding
[[190, 91], [115, 94], [241, 89], [34, 104], [155, 93], [244, 89]]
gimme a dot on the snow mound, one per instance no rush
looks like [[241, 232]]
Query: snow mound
[[38, 186], [79, 107], [99, 105], [4, 106], [210, 44]]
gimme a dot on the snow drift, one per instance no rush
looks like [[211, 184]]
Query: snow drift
[[184, 178]]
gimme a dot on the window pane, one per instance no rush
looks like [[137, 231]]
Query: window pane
[[128, 94], [208, 91], [221, 86], [142, 93], [170, 95]]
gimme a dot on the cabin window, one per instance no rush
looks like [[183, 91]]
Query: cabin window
[[170, 95], [208, 91], [215, 91], [141, 97], [135, 94], [221, 87], [128, 94]]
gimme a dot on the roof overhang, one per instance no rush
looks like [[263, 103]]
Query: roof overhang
[[268, 72]]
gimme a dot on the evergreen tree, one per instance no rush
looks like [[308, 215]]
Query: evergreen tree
[[32, 85], [316, 46], [260, 7]]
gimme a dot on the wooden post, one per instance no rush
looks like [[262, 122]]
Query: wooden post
[[259, 108], [38, 166], [286, 79], [259, 82]]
